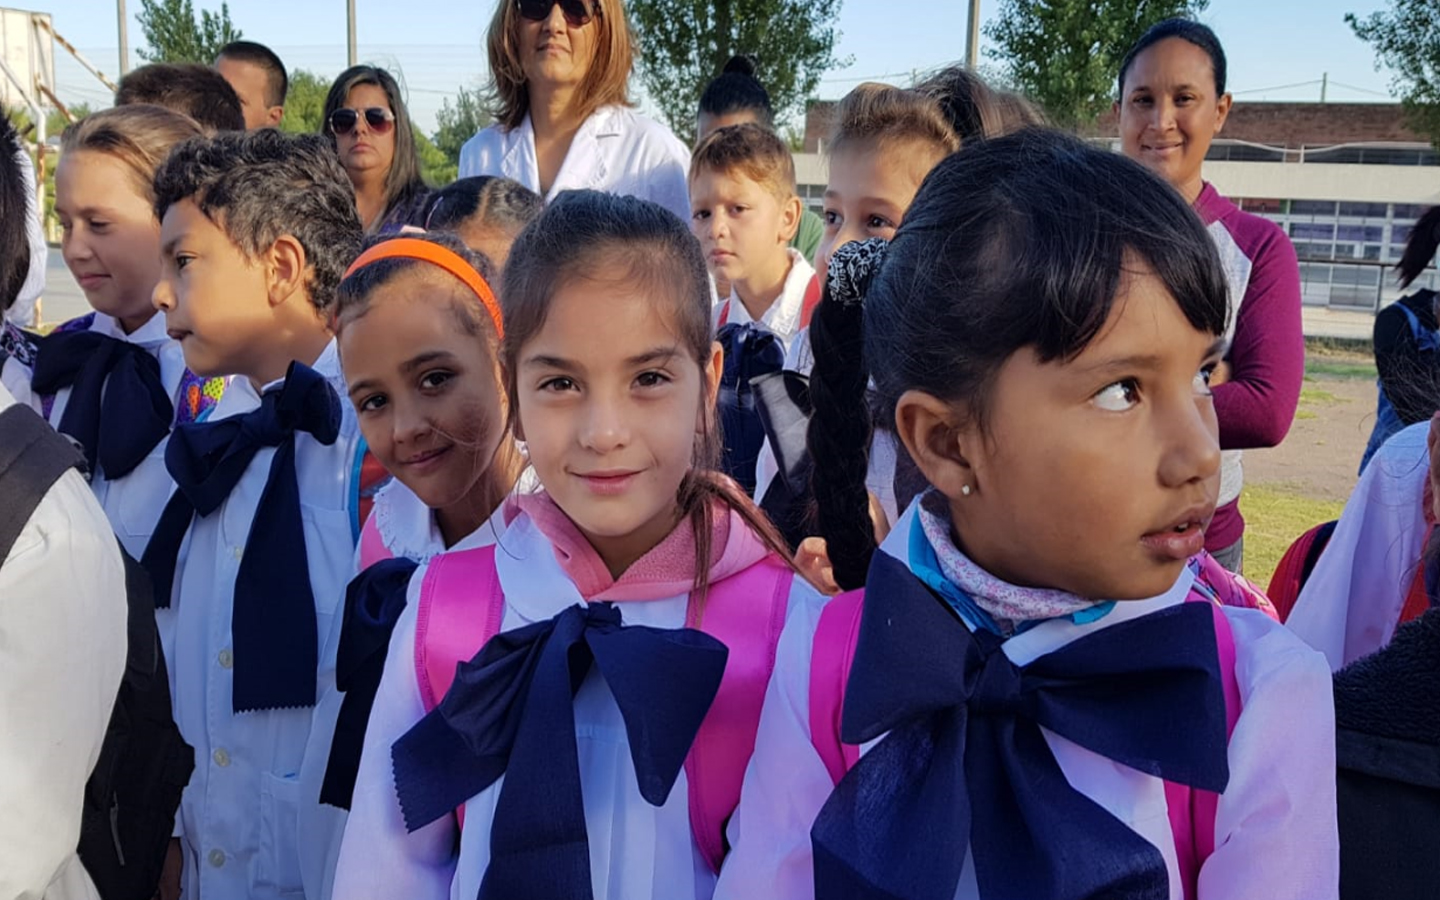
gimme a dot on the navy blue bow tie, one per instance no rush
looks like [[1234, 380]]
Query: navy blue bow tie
[[273, 616], [511, 711], [965, 764], [118, 409], [374, 601]]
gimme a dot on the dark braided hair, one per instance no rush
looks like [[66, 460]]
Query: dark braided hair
[[1018, 241]]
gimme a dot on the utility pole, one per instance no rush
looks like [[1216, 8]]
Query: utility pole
[[972, 37], [354, 55], [124, 40], [1324, 85]]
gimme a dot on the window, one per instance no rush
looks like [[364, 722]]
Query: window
[[1408, 210], [1366, 210], [1263, 205], [1372, 251], [1360, 233], [1312, 207], [1312, 231]]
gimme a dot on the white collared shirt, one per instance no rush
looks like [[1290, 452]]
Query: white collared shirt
[[782, 318], [616, 150], [637, 851], [1275, 830], [134, 503], [62, 654], [239, 816]]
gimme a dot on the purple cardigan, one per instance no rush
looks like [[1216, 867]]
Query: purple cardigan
[[1267, 352]]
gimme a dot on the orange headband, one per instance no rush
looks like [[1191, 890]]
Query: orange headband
[[445, 258]]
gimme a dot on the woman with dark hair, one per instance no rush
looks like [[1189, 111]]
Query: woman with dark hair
[[1172, 105], [563, 114], [1407, 346], [365, 118]]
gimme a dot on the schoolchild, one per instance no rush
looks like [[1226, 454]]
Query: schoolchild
[[252, 553], [487, 212], [645, 590], [1038, 693]]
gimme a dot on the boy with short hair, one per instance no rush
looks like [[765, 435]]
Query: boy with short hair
[[252, 553], [744, 212], [190, 88], [259, 79]]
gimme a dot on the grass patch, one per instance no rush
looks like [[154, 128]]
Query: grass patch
[[1339, 367], [1304, 414], [1319, 397], [1329, 346], [1275, 515]]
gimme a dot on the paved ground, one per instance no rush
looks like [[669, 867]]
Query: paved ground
[[62, 299]]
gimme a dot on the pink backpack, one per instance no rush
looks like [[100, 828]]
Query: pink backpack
[[462, 606], [1192, 812]]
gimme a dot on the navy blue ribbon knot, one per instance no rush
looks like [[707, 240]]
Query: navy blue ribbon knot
[[511, 711], [118, 409], [273, 626], [965, 764], [374, 601]]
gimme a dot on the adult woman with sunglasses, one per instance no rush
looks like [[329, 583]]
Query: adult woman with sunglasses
[[366, 120], [563, 112]]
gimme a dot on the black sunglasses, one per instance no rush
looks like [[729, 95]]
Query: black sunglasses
[[377, 118], [577, 12]]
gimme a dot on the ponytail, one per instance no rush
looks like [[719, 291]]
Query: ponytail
[[1420, 249], [840, 429]]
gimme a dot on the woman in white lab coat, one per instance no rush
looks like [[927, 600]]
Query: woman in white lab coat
[[564, 118]]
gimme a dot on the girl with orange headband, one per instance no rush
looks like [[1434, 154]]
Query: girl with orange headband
[[418, 327]]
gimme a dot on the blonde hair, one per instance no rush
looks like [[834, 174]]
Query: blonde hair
[[607, 82], [751, 150], [879, 115], [140, 136]]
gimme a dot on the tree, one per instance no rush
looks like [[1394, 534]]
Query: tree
[[435, 166], [685, 43], [1407, 41], [458, 124], [174, 36], [1066, 54], [305, 102]]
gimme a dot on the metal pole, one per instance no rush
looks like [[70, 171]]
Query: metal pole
[[124, 37], [1324, 85], [972, 38], [354, 54]]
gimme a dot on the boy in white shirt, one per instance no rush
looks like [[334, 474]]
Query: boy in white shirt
[[252, 554], [744, 211]]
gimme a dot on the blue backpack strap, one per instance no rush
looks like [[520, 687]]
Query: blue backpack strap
[[1425, 338]]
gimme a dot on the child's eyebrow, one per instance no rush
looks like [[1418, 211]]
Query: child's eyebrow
[[1146, 361], [659, 354], [421, 359], [168, 247]]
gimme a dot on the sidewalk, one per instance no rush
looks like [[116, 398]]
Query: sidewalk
[[1323, 322]]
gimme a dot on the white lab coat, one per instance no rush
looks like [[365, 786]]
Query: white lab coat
[[616, 150], [62, 654]]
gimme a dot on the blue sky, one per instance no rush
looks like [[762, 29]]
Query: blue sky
[[1270, 43]]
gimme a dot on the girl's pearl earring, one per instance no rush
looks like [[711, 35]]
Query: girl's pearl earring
[[965, 490]]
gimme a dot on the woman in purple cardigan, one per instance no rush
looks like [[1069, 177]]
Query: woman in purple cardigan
[[1172, 104]]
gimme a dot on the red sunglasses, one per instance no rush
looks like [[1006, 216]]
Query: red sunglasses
[[577, 13]]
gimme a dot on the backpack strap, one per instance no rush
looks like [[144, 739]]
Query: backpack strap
[[1425, 339], [745, 612], [449, 628], [33, 456], [812, 300], [831, 655]]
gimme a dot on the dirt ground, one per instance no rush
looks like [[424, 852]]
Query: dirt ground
[[1321, 455]]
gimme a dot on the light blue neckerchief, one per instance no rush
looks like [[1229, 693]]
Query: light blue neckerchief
[[926, 565]]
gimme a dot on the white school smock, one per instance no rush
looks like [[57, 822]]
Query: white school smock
[[782, 318], [408, 530], [1350, 606], [18, 350], [637, 851], [616, 150], [239, 815], [134, 503], [1276, 837], [62, 654]]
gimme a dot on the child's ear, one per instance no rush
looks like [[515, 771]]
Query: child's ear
[[285, 267], [711, 372], [790, 214], [935, 433]]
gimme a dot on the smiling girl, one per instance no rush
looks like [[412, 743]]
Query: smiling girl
[[113, 379]]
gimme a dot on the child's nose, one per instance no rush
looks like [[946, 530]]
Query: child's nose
[[604, 426], [1192, 442], [162, 298]]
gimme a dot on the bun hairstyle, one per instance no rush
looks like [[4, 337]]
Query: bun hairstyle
[[1420, 249], [1186, 30], [1013, 242], [737, 89]]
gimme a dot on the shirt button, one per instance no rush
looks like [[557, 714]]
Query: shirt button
[[222, 759], [237, 552], [217, 858], [226, 659]]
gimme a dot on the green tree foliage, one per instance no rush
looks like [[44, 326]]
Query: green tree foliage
[[454, 125], [1406, 38], [1066, 54], [685, 43], [435, 165], [304, 102], [174, 35]]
